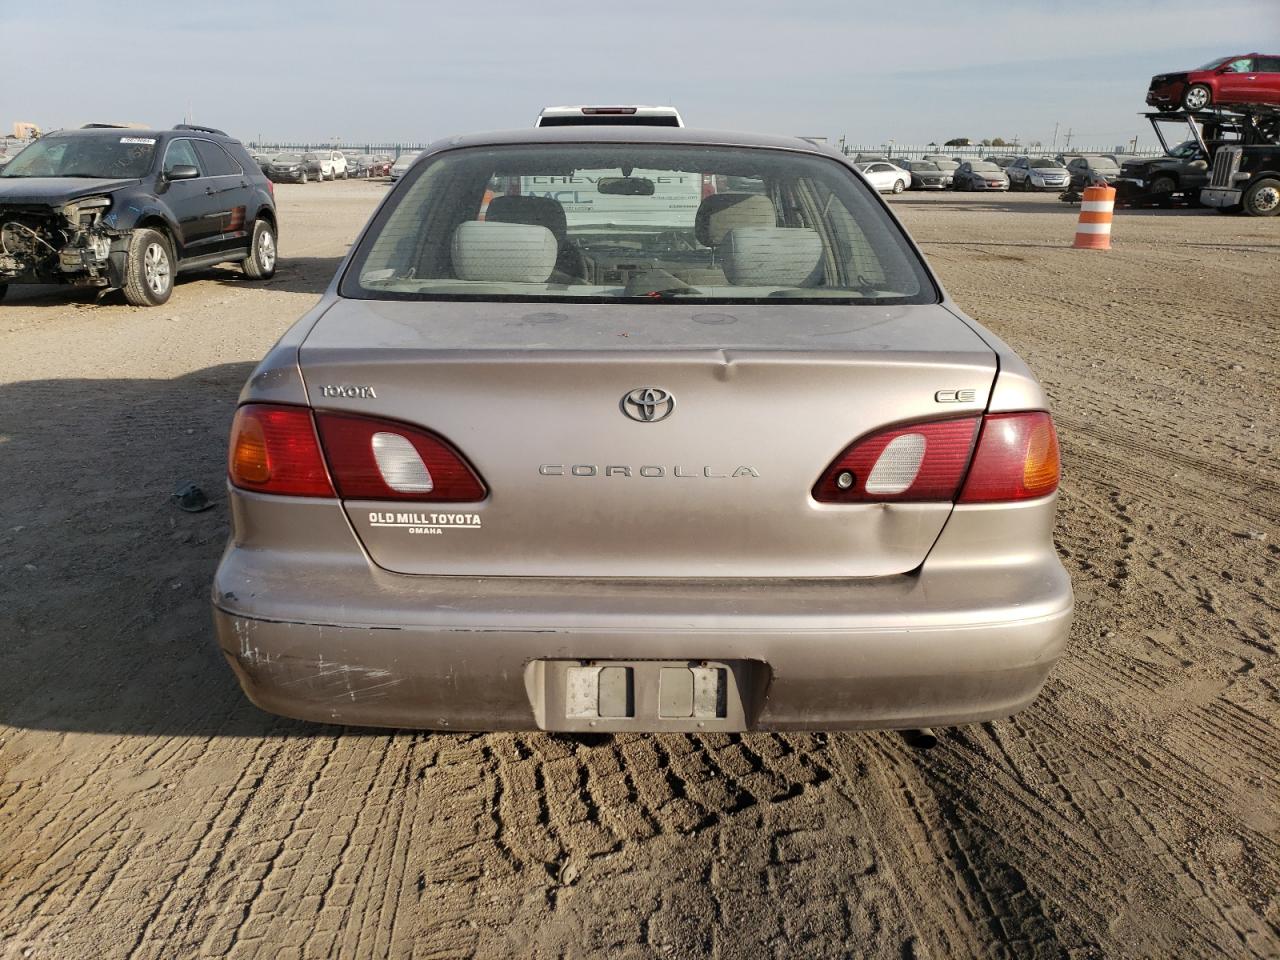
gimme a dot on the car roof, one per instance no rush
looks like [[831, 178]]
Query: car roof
[[686, 136], [202, 134]]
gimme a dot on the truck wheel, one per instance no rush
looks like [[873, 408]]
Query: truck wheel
[[1197, 97], [1262, 199], [148, 269], [1163, 186], [261, 262]]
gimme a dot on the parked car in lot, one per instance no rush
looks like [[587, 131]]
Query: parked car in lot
[[402, 163], [925, 175], [885, 177], [294, 167], [132, 208], [357, 164], [1252, 78], [333, 164], [1093, 170], [380, 165], [444, 517], [1036, 173], [979, 175]]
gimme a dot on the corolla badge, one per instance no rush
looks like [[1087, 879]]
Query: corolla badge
[[648, 404]]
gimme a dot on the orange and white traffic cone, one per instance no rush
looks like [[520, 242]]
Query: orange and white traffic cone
[[1093, 231]]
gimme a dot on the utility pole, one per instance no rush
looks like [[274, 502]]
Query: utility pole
[[1055, 137], [1069, 130]]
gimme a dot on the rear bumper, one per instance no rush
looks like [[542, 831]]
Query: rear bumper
[[321, 634]]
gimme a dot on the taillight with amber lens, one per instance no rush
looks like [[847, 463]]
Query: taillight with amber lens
[[274, 449], [1017, 459]]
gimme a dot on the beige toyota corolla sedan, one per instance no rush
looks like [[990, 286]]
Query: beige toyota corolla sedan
[[626, 428]]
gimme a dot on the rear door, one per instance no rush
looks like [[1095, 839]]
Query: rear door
[[1268, 81], [229, 191]]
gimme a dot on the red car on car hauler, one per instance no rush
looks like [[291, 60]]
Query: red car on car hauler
[[1251, 78]]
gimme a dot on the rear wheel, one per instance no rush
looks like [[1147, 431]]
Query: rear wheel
[[898, 186], [149, 269], [261, 262], [1262, 199], [1197, 97]]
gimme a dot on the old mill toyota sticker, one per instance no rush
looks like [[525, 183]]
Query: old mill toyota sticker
[[426, 524]]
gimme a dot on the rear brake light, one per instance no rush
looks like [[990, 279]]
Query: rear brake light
[[1017, 459], [385, 460], [274, 450], [917, 462]]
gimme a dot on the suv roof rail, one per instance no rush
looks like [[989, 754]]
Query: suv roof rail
[[202, 129], [113, 126]]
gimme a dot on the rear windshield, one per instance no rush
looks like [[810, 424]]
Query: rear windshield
[[636, 222], [108, 157], [984, 167]]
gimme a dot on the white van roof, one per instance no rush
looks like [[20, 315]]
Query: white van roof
[[629, 115]]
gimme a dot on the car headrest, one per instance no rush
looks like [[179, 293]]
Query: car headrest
[[721, 212], [770, 256], [503, 252], [540, 211]]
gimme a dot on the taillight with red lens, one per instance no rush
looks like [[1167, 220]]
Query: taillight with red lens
[[1017, 459], [914, 462], [373, 459], [274, 450]]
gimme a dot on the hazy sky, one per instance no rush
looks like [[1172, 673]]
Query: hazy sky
[[916, 70]]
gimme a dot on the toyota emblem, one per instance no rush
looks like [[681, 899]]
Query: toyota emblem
[[648, 404]]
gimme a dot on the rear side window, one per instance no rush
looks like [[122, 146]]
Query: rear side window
[[215, 161], [640, 222], [1269, 64]]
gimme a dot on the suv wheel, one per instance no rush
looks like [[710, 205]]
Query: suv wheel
[[148, 269], [1197, 97], [1262, 199], [261, 262], [304, 177]]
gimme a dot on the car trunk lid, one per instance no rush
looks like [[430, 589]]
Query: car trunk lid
[[580, 484]]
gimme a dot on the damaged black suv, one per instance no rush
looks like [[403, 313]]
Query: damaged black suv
[[130, 209]]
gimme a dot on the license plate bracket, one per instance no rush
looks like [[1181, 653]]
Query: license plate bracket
[[646, 695]]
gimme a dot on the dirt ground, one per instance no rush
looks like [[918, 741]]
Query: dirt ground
[[148, 810]]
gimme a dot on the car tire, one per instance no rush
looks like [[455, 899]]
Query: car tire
[[149, 268], [304, 177], [898, 186], [1163, 186], [1196, 97], [1262, 199], [261, 262]]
